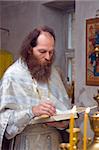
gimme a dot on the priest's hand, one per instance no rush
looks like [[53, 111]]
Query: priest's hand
[[44, 108]]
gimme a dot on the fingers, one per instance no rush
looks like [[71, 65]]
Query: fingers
[[45, 108], [48, 107]]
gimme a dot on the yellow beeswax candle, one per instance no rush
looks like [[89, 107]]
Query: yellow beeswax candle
[[85, 128], [71, 127]]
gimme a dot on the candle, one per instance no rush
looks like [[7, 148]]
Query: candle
[[85, 128], [71, 127]]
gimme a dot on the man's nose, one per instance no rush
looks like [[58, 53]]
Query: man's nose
[[47, 56]]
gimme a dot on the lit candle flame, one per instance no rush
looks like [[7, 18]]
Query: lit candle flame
[[85, 128], [74, 109], [87, 110]]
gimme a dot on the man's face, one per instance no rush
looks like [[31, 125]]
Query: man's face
[[44, 50], [41, 59]]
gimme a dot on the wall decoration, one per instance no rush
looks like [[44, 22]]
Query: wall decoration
[[92, 52]]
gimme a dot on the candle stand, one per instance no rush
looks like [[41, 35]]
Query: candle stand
[[66, 146], [94, 123]]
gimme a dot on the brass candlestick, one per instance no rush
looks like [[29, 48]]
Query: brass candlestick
[[75, 139], [66, 146], [94, 122]]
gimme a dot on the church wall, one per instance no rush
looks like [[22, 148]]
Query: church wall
[[21, 17], [84, 93]]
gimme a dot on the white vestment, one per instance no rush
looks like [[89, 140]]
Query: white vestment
[[18, 95]]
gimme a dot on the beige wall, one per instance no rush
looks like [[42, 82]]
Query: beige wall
[[21, 17], [84, 94]]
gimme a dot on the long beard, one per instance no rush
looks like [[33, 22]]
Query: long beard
[[40, 72]]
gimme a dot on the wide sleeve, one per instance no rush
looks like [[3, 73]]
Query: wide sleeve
[[18, 120], [4, 117], [15, 117]]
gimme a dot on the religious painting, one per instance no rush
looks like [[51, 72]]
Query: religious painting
[[92, 52]]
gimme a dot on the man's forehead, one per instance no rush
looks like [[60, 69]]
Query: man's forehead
[[46, 35]]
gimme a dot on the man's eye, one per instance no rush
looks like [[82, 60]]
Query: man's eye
[[42, 51]]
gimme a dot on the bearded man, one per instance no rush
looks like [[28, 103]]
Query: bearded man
[[30, 88]]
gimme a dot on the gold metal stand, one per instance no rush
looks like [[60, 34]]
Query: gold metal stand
[[94, 122], [66, 146]]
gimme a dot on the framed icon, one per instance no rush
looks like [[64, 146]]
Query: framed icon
[[92, 52]]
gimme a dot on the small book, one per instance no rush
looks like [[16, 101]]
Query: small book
[[58, 117]]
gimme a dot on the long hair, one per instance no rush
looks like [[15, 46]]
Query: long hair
[[31, 41], [38, 71]]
